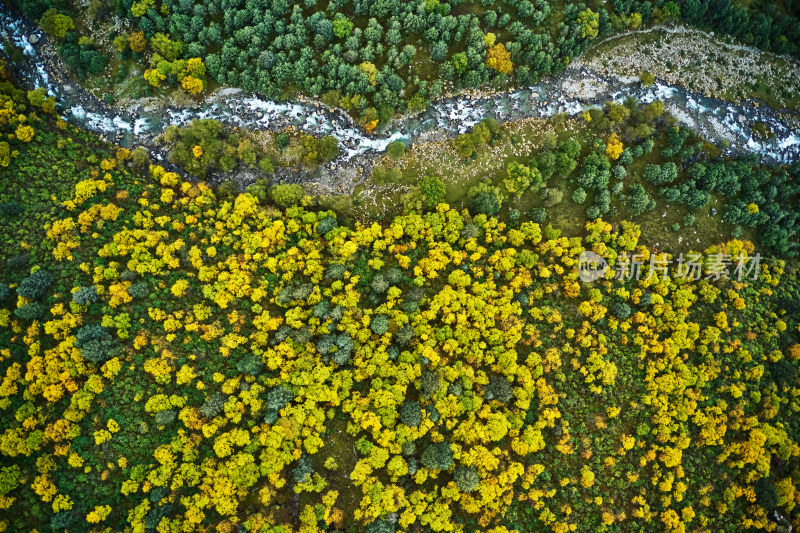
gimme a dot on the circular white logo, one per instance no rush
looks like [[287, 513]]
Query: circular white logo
[[591, 266]]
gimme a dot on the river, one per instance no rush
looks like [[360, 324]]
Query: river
[[575, 89]]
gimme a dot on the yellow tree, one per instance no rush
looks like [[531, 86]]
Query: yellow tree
[[499, 59]]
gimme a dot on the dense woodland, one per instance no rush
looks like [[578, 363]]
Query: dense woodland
[[175, 358], [373, 58], [623, 161]]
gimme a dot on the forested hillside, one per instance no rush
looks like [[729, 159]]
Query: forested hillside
[[174, 358], [374, 58]]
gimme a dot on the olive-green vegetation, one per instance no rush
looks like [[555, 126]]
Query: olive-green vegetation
[[204, 148]]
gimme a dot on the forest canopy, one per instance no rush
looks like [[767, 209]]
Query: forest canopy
[[373, 58], [182, 360]]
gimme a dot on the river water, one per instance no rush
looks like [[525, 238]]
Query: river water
[[576, 89]]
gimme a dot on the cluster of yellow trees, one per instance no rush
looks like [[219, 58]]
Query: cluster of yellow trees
[[18, 114], [278, 372]]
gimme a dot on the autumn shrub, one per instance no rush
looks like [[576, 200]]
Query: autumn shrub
[[217, 404]]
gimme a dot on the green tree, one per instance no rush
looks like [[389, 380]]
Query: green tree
[[342, 26], [521, 178], [433, 190], [35, 286], [459, 62], [328, 148], [579, 196], [589, 21], [638, 199], [466, 478], [287, 195], [379, 324], [411, 414], [56, 24], [485, 198], [437, 456], [396, 149]]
